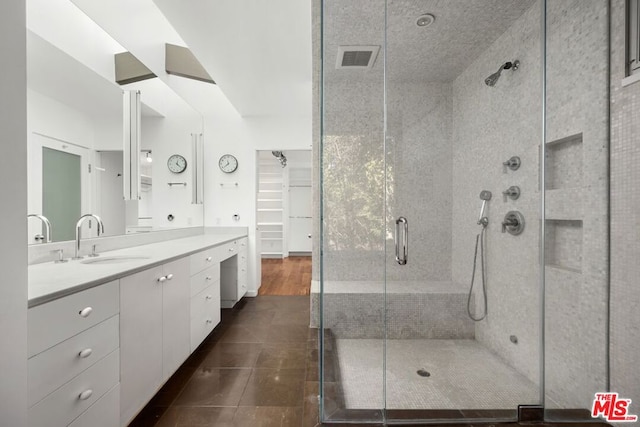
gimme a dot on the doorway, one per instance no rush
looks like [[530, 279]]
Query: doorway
[[284, 221]]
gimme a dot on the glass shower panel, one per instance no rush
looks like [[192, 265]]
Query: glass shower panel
[[353, 212], [463, 95], [576, 181]]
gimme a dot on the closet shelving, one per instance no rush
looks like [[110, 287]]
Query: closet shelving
[[270, 207]]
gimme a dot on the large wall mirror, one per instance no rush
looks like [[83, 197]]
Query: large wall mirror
[[75, 136]]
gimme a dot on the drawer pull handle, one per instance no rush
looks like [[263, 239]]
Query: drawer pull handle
[[85, 394], [208, 297], [85, 353], [230, 249], [208, 278], [209, 321], [162, 279], [209, 259], [85, 312], [169, 276]]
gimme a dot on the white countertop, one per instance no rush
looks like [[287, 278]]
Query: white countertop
[[49, 281]]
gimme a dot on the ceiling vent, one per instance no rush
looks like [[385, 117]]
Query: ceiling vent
[[356, 57]]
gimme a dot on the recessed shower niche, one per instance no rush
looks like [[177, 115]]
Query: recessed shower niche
[[564, 163], [563, 244]]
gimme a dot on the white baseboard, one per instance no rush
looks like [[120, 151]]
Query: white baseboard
[[251, 294]]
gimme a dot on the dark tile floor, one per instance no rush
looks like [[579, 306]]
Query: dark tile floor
[[251, 371], [258, 368]]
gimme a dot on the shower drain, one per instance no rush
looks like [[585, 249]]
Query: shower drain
[[424, 373]]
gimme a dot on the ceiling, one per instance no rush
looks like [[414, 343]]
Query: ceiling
[[258, 52], [462, 30]]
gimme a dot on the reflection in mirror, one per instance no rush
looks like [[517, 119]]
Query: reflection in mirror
[[75, 134], [110, 203]]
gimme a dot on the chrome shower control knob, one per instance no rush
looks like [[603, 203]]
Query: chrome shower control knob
[[513, 223], [512, 193], [513, 163]]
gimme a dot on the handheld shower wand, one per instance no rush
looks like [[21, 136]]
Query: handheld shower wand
[[485, 195]]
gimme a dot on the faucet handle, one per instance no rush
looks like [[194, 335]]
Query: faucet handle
[[60, 259], [513, 223], [93, 251], [513, 163], [512, 192]]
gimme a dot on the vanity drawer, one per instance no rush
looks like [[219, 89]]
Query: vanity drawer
[[72, 399], [202, 260], [205, 278], [205, 314], [242, 284], [242, 260], [52, 368], [51, 323], [226, 250], [104, 413], [243, 244]]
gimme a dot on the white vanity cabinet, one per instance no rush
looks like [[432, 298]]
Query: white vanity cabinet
[[99, 355], [205, 295], [74, 359], [154, 331], [233, 271]]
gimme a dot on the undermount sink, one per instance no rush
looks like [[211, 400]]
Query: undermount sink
[[112, 259]]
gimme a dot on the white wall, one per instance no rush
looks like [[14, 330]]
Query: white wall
[[167, 136], [50, 117], [13, 227], [243, 137]]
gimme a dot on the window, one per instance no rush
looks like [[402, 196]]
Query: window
[[633, 37]]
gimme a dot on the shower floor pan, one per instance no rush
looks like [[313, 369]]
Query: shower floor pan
[[462, 374]]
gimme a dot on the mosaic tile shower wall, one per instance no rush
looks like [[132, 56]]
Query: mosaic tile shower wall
[[491, 124], [577, 153], [625, 220]]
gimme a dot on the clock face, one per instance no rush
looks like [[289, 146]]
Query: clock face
[[177, 163], [228, 163]]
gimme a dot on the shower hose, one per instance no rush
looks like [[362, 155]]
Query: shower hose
[[479, 240]]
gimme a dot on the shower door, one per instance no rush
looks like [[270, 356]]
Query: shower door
[[463, 95], [423, 104]]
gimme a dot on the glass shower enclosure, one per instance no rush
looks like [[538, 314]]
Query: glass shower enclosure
[[458, 139]]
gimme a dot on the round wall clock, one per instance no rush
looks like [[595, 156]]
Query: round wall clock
[[177, 163], [228, 163]]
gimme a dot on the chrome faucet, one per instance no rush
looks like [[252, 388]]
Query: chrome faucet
[[79, 230], [47, 228]]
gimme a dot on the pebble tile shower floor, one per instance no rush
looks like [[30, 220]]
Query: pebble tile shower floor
[[463, 374]]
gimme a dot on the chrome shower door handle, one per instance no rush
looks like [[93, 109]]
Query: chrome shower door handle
[[401, 255]]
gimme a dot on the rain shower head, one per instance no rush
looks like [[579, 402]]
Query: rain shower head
[[493, 78]]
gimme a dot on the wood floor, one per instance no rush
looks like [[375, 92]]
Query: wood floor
[[288, 276]]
